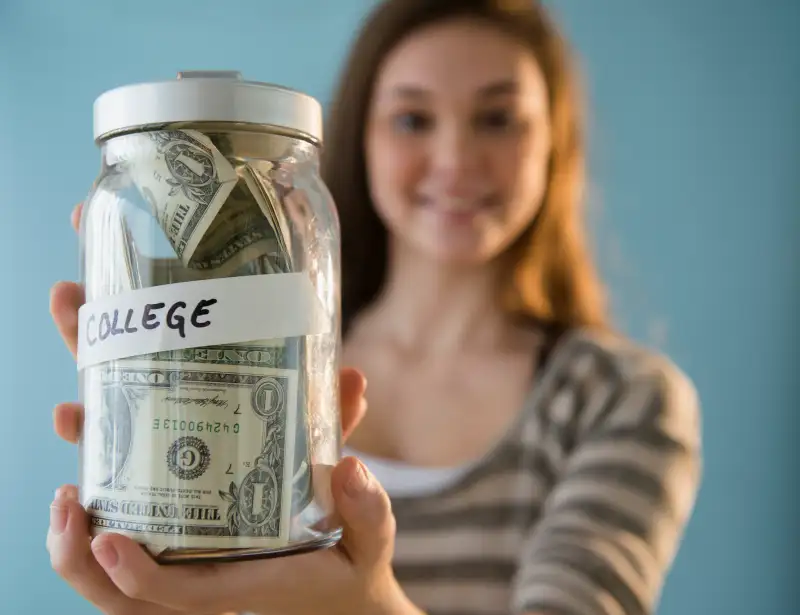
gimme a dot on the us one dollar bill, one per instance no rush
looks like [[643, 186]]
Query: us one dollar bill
[[186, 454], [287, 355], [244, 231], [265, 195], [186, 181], [216, 217]]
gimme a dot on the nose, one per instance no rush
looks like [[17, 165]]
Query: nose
[[455, 158]]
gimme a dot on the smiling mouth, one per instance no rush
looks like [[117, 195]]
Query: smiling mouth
[[457, 208]]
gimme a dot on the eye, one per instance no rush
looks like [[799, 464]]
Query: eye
[[412, 122], [496, 120]]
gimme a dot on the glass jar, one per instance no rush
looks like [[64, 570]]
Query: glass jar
[[208, 352]]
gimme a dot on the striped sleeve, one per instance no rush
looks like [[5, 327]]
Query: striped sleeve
[[611, 526]]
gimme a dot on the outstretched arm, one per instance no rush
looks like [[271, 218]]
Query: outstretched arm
[[613, 523]]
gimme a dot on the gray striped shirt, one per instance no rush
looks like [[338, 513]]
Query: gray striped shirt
[[579, 509]]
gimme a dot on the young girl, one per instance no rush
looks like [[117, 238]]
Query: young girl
[[522, 457]]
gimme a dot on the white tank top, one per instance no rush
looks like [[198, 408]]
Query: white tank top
[[402, 479]]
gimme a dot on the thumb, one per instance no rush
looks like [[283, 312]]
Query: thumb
[[366, 512]]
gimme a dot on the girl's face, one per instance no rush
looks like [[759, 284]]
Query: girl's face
[[457, 141]]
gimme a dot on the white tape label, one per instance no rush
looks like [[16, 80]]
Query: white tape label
[[201, 313]]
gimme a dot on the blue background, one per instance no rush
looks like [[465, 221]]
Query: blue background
[[695, 143]]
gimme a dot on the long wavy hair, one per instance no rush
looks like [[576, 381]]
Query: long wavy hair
[[552, 279]]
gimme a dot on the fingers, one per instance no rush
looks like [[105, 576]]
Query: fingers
[[75, 218], [368, 539], [65, 299], [280, 586], [366, 511], [68, 421], [68, 542], [141, 578], [352, 385]]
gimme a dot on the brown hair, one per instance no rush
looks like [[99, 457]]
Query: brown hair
[[552, 279]]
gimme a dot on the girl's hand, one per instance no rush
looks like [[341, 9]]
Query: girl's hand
[[354, 578]]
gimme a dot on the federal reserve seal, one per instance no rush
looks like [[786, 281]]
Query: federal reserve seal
[[188, 458]]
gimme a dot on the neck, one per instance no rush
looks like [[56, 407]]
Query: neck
[[438, 308]]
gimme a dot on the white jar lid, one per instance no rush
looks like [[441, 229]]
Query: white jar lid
[[218, 96]]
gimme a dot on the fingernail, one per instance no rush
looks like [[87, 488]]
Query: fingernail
[[358, 482], [105, 554], [66, 493], [59, 514]]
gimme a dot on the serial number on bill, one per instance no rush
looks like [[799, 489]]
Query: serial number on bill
[[195, 426]]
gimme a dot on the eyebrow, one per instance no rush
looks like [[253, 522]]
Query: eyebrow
[[508, 86], [497, 88]]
